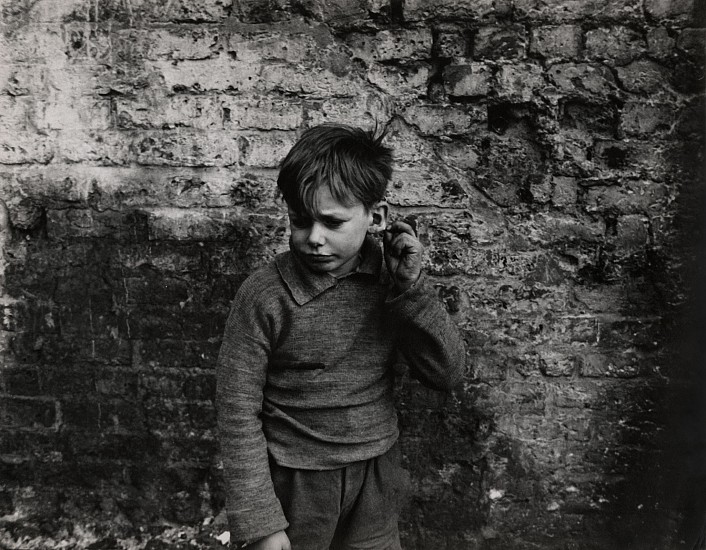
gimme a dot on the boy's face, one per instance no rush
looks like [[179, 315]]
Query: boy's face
[[330, 240]]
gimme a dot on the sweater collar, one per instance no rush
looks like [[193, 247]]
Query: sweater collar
[[305, 285]]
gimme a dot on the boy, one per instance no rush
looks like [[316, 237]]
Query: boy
[[305, 373]]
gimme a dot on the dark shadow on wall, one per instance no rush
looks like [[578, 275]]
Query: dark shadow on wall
[[656, 488]]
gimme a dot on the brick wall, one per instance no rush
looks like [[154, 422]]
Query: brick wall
[[553, 153]]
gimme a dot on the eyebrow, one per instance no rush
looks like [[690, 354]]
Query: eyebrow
[[326, 218]]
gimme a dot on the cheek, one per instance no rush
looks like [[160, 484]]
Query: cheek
[[298, 235]]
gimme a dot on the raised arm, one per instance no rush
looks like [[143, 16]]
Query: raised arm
[[427, 338]]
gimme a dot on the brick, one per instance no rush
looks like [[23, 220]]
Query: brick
[[693, 42], [103, 187], [283, 47], [631, 233], [23, 79], [32, 44], [620, 45], [117, 383], [407, 45], [499, 43], [170, 112], [401, 82], [17, 113], [488, 367], [677, 10], [179, 418], [155, 288], [455, 10], [434, 119], [659, 43], [81, 113], [470, 80], [630, 198], [83, 223], [556, 364], [195, 225], [189, 42], [367, 110], [425, 186], [689, 119], [556, 42], [642, 76], [100, 147], [589, 117], [541, 190], [562, 11], [26, 148], [656, 161], [265, 149], [518, 83], [450, 44], [647, 118], [314, 82], [565, 191], [583, 79], [214, 74], [36, 413], [20, 382], [182, 147], [264, 114], [447, 239], [166, 353]]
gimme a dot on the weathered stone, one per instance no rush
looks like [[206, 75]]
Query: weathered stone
[[633, 197], [557, 42], [642, 76], [643, 118], [386, 45], [583, 79], [560, 11], [693, 42], [620, 45], [467, 80], [450, 44], [368, 110], [565, 191], [420, 10], [499, 43], [186, 148], [518, 83], [439, 120], [678, 10], [659, 43], [405, 82]]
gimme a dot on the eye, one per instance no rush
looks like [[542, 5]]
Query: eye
[[333, 224]]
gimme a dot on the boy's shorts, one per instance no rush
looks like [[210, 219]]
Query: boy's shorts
[[351, 508]]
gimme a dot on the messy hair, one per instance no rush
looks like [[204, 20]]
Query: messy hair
[[352, 163]]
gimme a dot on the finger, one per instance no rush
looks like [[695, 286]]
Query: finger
[[400, 226], [403, 243]]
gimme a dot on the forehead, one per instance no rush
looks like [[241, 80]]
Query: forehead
[[322, 203]]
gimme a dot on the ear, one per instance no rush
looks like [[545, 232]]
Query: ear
[[378, 221]]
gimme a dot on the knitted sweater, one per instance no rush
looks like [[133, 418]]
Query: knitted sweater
[[305, 378]]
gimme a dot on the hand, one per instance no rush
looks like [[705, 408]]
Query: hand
[[403, 255], [275, 541]]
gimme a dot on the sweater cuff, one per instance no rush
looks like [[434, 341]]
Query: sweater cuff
[[244, 533]]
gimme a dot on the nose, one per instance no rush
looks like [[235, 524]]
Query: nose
[[316, 237]]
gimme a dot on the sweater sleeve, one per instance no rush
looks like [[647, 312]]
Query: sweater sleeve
[[427, 338], [253, 509]]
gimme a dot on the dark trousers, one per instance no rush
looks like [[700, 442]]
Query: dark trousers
[[351, 508]]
